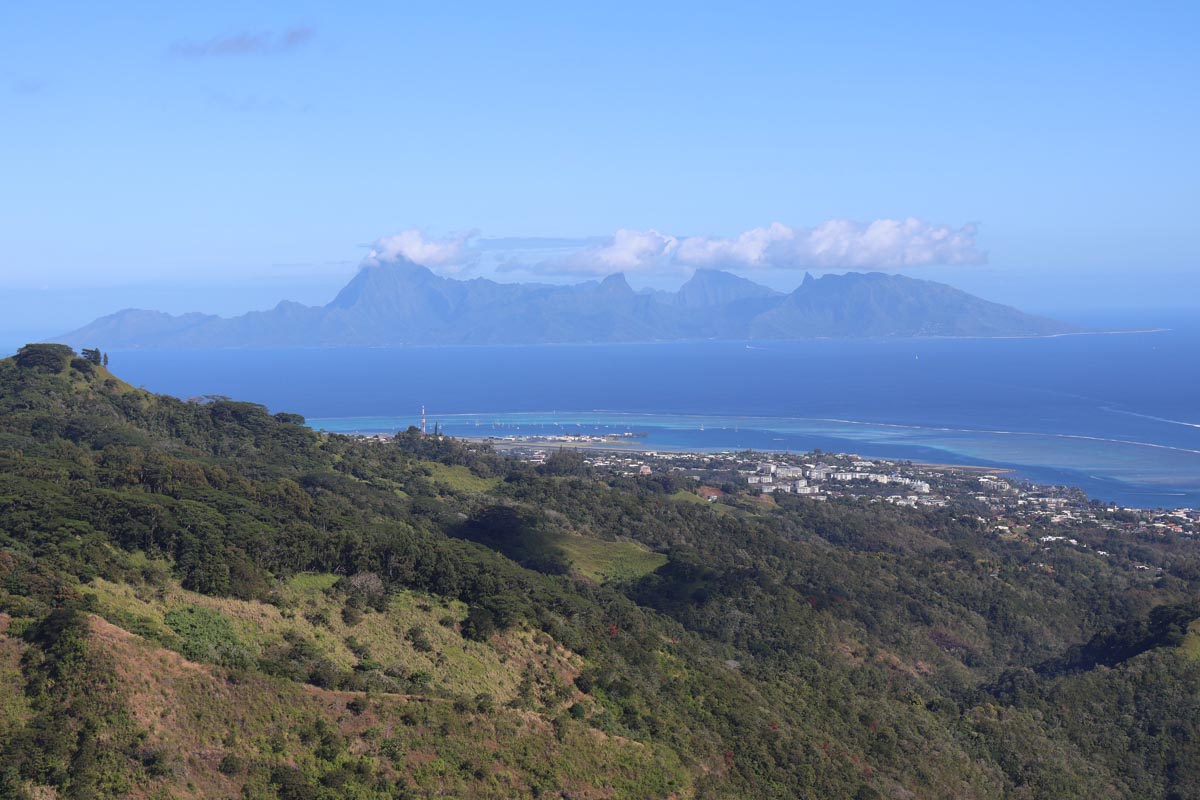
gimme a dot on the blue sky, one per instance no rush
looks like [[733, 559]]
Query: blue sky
[[220, 157]]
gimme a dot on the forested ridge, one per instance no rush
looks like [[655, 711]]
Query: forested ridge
[[204, 599]]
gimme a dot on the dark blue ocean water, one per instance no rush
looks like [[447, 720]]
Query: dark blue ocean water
[[1118, 415]]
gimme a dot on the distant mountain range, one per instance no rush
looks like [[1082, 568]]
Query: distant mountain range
[[404, 303]]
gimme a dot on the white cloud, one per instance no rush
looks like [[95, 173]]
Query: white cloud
[[756, 248], [448, 255], [887, 244], [836, 244], [627, 251]]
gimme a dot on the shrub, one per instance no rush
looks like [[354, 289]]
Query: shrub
[[318, 618], [360, 649], [480, 624], [367, 588], [324, 673], [292, 784], [232, 764], [420, 641]]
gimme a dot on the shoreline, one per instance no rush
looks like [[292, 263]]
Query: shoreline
[[636, 447], [1105, 488], [722, 422]]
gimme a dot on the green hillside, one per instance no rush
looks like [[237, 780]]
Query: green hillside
[[204, 599]]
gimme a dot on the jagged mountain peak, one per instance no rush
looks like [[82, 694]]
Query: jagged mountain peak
[[373, 279], [714, 287], [615, 283]]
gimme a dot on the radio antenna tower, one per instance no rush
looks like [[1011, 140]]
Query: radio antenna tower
[[423, 432]]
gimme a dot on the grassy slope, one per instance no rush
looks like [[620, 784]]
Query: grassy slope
[[196, 715], [459, 478], [1191, 643], [457, 666], [604, 561]]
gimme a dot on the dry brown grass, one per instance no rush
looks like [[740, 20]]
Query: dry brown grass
[[194, 714], [458, 666]]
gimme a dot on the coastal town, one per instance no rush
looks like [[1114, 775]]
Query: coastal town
[[1005, 505], [996, 496]]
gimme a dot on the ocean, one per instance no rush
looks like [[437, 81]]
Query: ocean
[[1117, 415]]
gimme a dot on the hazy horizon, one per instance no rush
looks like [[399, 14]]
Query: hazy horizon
[[36, 314]]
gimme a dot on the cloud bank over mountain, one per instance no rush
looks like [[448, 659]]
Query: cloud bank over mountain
[[839, 244], [448, 255]]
